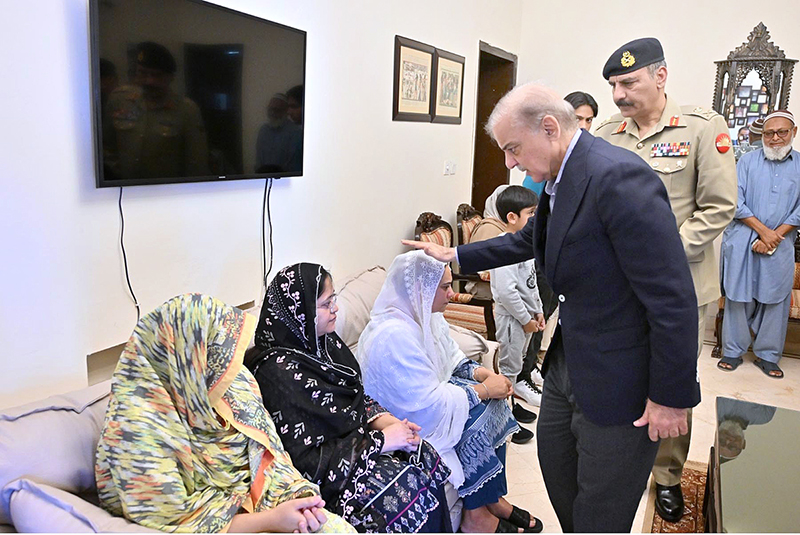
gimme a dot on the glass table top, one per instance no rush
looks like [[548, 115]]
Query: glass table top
[[759, 467]]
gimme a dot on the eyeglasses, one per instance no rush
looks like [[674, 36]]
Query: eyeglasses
[[782, 133], [330, 303]]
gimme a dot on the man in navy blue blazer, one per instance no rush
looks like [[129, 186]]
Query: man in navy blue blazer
[[621, 370]]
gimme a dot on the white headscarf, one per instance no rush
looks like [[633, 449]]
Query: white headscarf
[[490, 208], [407, 356]]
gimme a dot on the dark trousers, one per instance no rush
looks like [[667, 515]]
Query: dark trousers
[[595, 475], [549, 304]]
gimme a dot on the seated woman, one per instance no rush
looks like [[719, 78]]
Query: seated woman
[[414, 368], [187, 445], [371, 467]]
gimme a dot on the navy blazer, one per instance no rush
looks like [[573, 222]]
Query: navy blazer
[[612, 254]]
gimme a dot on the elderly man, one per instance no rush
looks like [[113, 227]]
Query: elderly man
[[757, 259], [690, 150], [621, 369]]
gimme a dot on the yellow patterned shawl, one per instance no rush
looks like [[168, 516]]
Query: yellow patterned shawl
[[187, 442]]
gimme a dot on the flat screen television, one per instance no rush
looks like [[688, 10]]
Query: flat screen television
[[188, 91]]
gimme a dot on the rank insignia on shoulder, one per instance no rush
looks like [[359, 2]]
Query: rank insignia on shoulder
[[659, 150], [674, 120], [621, 127], [723, 143]]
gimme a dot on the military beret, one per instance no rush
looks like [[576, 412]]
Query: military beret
[[155, 56], [633, 56]]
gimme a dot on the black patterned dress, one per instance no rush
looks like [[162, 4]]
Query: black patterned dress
[[312, 388]]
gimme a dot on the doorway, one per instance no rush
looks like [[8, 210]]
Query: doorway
[[497, 74]]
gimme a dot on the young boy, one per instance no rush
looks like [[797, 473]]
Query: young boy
[[518, 307]]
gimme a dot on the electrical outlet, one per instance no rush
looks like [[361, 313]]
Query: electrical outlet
[[446, 168]]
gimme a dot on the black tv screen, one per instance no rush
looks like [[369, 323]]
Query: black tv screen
[[188, 91]]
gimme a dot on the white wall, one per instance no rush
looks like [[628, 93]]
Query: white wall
[[62, 288]]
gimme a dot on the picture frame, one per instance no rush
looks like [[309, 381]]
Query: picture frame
[[744, 91], [413, 80], [448, 87]]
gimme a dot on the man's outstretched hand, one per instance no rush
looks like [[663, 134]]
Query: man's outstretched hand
[[434, 250]]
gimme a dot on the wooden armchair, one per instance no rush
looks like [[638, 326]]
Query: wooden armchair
[[794, 309], [465, 309], [467, 218]]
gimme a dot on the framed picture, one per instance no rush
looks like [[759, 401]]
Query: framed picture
[[762, 98], [741, 111], [744, 91], [765, 109], [754, 107], [731, 123], [740, 121], [448, 87], [413, 69]]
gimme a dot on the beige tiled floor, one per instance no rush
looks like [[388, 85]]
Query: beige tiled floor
[[526, 488]]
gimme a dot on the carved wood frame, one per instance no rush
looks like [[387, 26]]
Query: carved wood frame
[[761, 55]]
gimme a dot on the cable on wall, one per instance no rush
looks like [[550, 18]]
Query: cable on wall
[[265, 213], [125, 256]]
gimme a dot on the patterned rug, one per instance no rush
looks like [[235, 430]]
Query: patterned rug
[[693, 485]]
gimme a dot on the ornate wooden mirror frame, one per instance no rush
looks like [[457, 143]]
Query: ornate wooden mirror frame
[[770, 63]]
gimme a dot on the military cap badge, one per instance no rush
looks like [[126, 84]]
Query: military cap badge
[[627, 59]]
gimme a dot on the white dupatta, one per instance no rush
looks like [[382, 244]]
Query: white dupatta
[[407, 356]]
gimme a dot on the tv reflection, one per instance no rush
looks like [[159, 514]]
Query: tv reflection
[[149, 130], [279, 146]]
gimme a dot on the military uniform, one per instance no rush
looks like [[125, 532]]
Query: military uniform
[[690, 150], [147, 142]]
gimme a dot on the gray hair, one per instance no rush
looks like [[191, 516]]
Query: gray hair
[[653, 67], [528, 105]]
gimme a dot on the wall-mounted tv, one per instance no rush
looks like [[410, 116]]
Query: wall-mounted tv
[[188, 91]]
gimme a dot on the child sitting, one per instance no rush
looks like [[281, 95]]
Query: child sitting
[[518, 307]]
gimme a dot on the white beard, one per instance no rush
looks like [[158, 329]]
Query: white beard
[[778, 153]]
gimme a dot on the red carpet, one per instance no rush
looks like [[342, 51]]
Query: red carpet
[[693, 485]]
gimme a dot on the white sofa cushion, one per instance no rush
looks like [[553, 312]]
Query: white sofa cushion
[[52, 441], [40, 508], [357, 294]]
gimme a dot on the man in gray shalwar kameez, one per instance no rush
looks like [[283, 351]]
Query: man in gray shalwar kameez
[[757, 260]]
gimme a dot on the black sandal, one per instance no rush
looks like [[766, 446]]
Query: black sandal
[[768, 368], [729, 364], [504, 526], [522, 519]]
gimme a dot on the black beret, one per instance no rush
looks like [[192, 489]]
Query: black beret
[[633, 56], [155, 56]]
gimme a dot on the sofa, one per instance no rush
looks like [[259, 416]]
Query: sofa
[[47, 447]]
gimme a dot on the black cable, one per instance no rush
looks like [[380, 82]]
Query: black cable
[[265, 210], [125, 256]]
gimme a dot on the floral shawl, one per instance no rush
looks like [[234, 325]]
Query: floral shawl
[[312, 387], [186, 442]]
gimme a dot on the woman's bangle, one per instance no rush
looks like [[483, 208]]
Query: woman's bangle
[[487, 390]]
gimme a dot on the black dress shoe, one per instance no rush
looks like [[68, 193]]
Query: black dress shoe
[[521, 414], [669, 502], [522, 436]]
